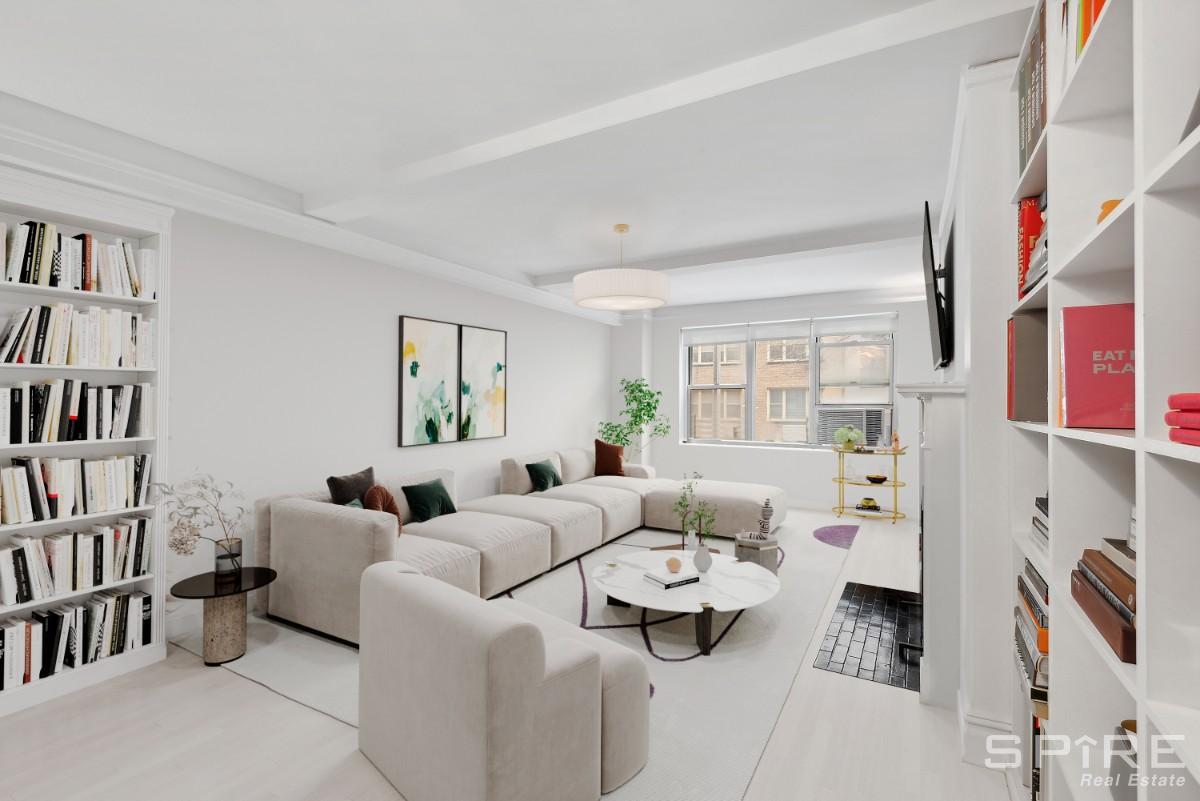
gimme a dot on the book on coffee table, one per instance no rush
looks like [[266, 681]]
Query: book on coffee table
[[667, 580]]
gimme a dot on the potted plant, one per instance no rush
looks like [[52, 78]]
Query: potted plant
[[848, 437], [683, 504], [641, 419], [706, 518], [201, 504]]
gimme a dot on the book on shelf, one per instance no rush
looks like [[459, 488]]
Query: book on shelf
[[1030, 222], [34, 489], [71, 410], [67, 637], [1035, 662], [1031, 91], [61, 335], [1120, 635], [33, 569], [1120, 554], [1033, 599], [39, 254], [1036, 582], [1096, 366], [667, 580], [1027, 366], [1114, 581]]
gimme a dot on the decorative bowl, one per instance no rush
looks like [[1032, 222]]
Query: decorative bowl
[[877, 479]]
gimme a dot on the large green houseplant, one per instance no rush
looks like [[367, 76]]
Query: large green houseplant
[[640, 419]]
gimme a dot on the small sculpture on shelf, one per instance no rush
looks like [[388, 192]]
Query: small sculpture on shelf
[[760, 547]]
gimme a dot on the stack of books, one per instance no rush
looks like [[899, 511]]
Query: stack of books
[[1184, 418], [1104, 586], [38, 254], [666, 580], [1032, 634], [72, 635], [1041, 519], [61, 335], [36, 488], [33, 569], [66, 410]]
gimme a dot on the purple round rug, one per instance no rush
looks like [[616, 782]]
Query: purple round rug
[[837, 536]]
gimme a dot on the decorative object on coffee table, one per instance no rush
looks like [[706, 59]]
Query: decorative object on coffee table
[[224, 596], [202, 504], [845, 479], [729, 587]]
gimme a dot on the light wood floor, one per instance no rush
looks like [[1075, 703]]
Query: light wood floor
[[181, 731]]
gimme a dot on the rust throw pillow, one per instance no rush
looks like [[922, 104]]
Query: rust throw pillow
[[379, 499], [609, 458]]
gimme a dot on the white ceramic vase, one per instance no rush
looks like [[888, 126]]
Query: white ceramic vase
[[702, 558]]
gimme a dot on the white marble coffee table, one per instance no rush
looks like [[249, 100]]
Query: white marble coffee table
[[728, 586]]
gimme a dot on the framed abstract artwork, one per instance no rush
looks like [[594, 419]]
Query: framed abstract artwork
[[428, 381], [483, 402]]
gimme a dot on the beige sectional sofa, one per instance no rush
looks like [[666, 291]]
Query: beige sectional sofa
[[482, 701], [487, 547]]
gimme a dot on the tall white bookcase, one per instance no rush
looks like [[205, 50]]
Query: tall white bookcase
[[78, 209], [1116, 116]]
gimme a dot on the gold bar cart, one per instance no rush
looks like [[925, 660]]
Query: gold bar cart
[[892, 482]]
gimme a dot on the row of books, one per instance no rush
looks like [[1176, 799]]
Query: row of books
[[39, 254], [68, 410], [1040, 524], [60, 335], [1032, 630], [1031, 91], [1080, 17], [1105, 587], [1183, 416], [73, 635], [36, 488], [34, 569]]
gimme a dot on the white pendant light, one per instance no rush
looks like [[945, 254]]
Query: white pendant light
[[621, 288]]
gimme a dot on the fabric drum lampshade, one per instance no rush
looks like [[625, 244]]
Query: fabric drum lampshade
[[621, 288]]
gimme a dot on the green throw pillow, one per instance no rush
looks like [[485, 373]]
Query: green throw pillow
[[428, 500], [354, 504], [543, 475]]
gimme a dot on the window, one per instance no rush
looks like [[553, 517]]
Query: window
[[804, 380], [787, 404], [787, 350]]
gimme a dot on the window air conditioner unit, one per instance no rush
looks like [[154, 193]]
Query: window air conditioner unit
[[875, 423]]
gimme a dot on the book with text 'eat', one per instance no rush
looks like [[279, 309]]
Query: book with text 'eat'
[[1097, 369]]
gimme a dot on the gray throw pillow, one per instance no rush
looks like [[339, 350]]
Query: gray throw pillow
[[343, 489]]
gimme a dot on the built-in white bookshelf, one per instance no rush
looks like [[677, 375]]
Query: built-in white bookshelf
[[79, 209], [1116, 123]]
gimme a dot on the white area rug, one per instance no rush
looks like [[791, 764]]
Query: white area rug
[[710, 717]]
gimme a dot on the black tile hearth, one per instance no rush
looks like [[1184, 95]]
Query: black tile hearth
[[867, 635]]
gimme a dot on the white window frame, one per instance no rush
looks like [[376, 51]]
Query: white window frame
[[812, 393]]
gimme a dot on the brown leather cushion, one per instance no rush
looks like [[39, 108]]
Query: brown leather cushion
[[380, 500], [609, 459]]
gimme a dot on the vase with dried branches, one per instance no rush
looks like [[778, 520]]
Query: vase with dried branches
[[202, 508]]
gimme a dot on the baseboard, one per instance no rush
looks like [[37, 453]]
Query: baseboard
[[973, 732]]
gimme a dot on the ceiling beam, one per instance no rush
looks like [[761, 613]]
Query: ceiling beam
[[798, 246], [354, 201]]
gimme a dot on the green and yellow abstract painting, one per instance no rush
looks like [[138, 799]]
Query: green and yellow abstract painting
[[484, 383], [428, 377]]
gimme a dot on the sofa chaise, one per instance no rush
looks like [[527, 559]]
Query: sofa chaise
[[471, 700]]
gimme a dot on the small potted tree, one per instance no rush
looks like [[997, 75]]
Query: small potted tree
[[640, 419]]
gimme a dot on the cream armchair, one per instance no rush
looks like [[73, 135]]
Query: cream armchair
[[461, 700]]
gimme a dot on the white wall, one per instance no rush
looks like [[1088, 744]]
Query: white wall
[[805, 474], [284, 367]]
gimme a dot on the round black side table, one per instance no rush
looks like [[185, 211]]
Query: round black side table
[[224, 596]]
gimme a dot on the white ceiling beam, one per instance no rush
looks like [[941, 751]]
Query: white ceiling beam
[[345, 203], [799, 246]]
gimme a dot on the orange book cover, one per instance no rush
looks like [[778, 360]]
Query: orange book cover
[[1043, 634], [1085, 25]]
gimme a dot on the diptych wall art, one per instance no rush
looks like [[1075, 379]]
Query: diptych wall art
[[428, 381], [453, 382], [484, 373]]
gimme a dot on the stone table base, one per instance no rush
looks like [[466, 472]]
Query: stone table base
[[224, 628]]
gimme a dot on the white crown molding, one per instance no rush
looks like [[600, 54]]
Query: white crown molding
[[49, 155], [842, 300]]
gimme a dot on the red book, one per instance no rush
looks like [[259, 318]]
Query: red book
[[1183, 419], [1029, 228], [1098, 366], [1186, 401], [1187, 436]]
